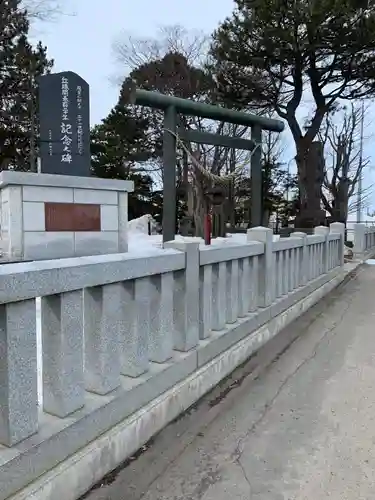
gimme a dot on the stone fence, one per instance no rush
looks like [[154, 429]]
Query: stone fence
[[131, 341], [364, 240]]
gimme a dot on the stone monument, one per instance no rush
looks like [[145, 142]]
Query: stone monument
[[62, 211]]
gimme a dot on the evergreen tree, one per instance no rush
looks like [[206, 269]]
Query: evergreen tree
[[172, 74], [134, 134], [272, 51], [117, 144], [20, 66]]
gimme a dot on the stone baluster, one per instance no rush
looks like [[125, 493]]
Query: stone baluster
[[266, 277], [279, 262], [62, 343], [219, 296], [232, 291], [359, 239], [186, 297], [321, 259], [135, 332], [253, 286], [339, 228], [18, 372], [315, 259], [298, 266], [324, 231], [161, 311], [205, 301], [303, 259], [243, 287], [103, 315], [291, 269]]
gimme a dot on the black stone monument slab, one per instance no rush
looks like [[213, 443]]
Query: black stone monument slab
[[64, 117]]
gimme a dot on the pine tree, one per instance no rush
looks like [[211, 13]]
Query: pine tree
[[117, 144], [130, 136], [272, 52], [20, 66]]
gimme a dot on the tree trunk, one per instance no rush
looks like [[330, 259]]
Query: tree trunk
[[340, 204], [199, 214], [310, 165], [266, 217], [200, 204]]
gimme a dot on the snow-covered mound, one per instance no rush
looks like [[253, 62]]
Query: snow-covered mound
[[141, 224]]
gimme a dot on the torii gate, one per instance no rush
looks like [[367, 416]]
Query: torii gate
[[172, 107]]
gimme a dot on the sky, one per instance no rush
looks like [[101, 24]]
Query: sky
[[82, 41]]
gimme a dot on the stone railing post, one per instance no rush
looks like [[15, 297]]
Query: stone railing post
[[103, 309], [324, 231], [303, 263], [135, 326], [186, 297], [160, 345], [372, 238], [370, 242], [62, 342], [18, 372], [359, 239], [219, 296], [339, 228], [266, 283]]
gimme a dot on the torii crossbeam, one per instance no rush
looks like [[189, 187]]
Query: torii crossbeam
[[172, 107]]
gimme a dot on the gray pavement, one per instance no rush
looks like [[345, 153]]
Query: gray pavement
[[299, 427]]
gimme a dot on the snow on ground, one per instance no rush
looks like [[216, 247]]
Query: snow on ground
[[140, 240]]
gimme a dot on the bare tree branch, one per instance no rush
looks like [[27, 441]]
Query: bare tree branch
[[44, 10], [131, 51], [340, 134]]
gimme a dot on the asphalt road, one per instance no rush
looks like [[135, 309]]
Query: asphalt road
[[296, 422]]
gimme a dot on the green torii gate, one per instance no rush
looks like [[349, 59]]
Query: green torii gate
[[172, 107]]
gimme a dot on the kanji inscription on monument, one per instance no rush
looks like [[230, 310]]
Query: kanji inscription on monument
[[64, 116]]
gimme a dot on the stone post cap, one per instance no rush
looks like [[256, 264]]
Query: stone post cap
[[299, 234], [262, 234], [337, 227], [321, 230], [185, 245]]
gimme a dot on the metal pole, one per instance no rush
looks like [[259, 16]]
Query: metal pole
[[32, 157], [169, 177], [360, 178], [256, 178]]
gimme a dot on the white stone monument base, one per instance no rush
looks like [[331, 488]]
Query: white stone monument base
[[47, 216]]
